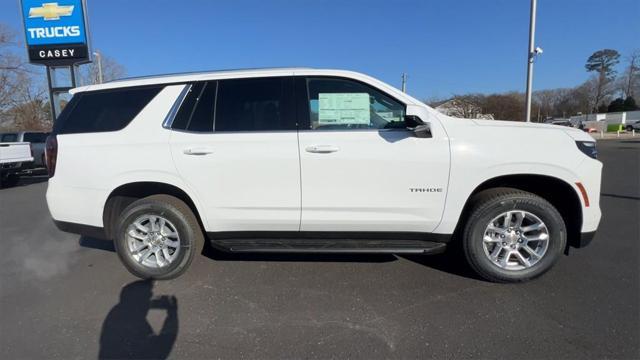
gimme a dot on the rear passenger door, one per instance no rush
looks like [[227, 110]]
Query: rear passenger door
[[235, 143]]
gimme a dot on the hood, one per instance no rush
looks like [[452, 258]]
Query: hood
[[574, 133]]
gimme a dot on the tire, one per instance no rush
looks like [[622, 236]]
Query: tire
[[480, 242], [175, 217], [629, 128]]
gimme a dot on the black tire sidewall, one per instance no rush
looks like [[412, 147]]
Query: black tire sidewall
[[176, 217], [474, 234]]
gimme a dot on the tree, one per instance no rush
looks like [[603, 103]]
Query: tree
[[111, 70], [616, 105], [631, 79], [23, 100], [602, 62], [507, 106], [630, 104]]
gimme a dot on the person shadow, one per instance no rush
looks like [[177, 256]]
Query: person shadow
[[126, 333]]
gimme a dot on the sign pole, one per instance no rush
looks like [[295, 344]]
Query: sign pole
[[52, 104]]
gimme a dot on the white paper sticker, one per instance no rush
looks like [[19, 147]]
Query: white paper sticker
[[345, 108]]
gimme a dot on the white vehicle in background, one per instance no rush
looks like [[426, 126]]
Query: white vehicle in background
[[12, 157], [306, 160], [36, 140]]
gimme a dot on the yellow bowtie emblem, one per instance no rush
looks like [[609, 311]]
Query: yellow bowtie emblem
[[50, 11]]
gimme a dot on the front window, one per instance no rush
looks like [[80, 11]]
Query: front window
[[341, 104]]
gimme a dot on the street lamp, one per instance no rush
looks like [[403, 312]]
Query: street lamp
[[99, 58], [533, 52]]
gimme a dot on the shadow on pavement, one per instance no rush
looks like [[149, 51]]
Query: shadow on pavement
[[126, 333], [621, 196], [25, 181], [98, 244], [451, 262]]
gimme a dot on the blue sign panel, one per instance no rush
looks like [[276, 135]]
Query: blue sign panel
[[55, 31]]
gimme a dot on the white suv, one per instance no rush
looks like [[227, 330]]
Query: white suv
[[306, 160]]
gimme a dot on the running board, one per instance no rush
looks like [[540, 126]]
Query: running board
[[363, 246]]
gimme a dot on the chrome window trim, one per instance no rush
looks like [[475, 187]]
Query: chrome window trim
[[168, 120]]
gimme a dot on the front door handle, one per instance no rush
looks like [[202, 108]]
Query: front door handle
[[322, 149], [198, 151]]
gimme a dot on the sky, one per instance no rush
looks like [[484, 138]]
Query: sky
[[445, 47]]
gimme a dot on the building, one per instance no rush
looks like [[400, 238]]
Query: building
[[614, 118]]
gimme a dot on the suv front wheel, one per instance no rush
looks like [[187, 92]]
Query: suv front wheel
[[157, 237], [512, 235]]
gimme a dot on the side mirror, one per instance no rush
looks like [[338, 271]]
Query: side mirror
[[419, 128]]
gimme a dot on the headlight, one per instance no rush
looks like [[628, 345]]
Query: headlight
[[588, 148]]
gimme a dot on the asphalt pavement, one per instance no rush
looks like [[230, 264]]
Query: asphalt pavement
[[65, 297]]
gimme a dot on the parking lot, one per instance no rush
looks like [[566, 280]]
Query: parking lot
[[65, 297]]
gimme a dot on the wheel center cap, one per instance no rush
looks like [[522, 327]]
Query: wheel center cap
[[512, 237], [157, 239]]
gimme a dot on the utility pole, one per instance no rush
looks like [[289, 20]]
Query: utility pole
[[530, 56], [404, 82], [99, 57]]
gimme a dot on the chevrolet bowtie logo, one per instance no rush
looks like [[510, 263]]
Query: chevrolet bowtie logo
[[50, 11]]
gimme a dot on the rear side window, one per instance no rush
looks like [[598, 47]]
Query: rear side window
[[256, 104], [100, 111], [35, 137]]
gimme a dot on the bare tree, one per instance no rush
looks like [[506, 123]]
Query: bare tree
[[602, 62], [11, 67], [23, 103], [111, 70], [631, 79], [29, 108]]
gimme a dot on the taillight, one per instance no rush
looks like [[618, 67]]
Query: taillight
[[51, 154]]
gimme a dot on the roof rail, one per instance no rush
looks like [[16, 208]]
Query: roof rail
[[203, 73]]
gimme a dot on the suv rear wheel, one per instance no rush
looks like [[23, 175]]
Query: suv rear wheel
[[512, 235], [157, 237]]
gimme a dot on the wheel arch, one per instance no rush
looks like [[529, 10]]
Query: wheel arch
[[125, 194], [562, 195]]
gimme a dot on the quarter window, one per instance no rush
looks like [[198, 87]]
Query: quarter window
[[99, 111], [257, 104], [341, 104]]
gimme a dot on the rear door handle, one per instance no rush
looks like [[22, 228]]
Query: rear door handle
[[322, 149], [198, 151]]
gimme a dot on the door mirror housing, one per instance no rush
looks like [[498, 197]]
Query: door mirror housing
[[419, 128]]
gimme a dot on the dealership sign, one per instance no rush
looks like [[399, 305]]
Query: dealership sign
[[56, 31]]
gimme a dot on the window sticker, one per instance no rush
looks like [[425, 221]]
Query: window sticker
[[388, 115], [344, 108]]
